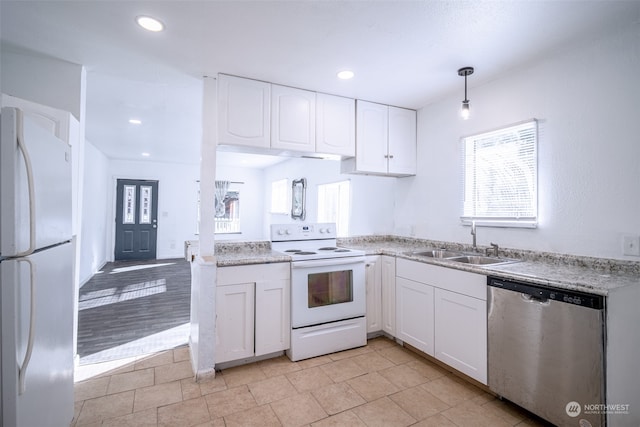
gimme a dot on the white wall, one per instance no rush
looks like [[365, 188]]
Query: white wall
[[42, 79], [372, 197], [96, 213], [251, 201], [177, 201], [586, 101]]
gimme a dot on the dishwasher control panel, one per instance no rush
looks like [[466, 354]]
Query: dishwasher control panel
[[543, 293]]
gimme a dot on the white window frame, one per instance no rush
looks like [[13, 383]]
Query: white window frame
[[342, 214], [280, 197], [500, 177]]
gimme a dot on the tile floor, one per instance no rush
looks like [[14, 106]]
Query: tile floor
[[381, 384]]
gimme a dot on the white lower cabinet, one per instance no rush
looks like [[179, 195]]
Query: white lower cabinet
[[252, 311], [273, 316], [443, 312], [388, 271], [373, 280], [234, 322], [414, 314], [461, 333]]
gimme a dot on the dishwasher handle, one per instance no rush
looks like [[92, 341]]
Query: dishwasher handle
[[534, 299], [544, 294]]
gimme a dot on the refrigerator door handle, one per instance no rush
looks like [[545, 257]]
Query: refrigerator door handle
[[22, 369], [30, 185]]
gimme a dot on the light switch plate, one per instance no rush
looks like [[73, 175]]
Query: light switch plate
[[631, 245]]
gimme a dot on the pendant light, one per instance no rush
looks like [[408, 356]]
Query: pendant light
[[465, 71]]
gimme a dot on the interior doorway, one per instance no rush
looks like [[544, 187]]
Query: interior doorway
[[136, 219]]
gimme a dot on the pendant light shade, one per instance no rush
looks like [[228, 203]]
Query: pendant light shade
[[464, 111]]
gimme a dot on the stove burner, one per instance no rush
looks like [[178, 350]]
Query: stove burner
[[305, 253], [293, 250], [343, 250], [328, 248]]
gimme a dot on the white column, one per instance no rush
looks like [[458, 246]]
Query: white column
[[203, 283]]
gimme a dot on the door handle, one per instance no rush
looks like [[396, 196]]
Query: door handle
[[22, 369], [155, 226], [30, 184]]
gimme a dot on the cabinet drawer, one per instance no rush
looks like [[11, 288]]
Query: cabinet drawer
[[462, 282], [253, 273]]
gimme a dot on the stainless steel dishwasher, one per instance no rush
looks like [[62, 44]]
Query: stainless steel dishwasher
[[546, 351]]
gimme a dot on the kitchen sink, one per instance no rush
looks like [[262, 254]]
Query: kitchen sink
[[461, 257], [437, 253], [478, 259]]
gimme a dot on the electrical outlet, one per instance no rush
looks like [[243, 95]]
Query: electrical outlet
[[631, 245]]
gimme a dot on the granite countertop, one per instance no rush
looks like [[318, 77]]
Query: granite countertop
[[586, 274], [243, 253]]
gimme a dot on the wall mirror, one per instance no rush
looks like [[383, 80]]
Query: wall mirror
[[298, 189]]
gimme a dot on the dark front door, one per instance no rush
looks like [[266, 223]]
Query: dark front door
[[136, 219]]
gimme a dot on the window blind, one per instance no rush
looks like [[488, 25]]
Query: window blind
[[500, 176]]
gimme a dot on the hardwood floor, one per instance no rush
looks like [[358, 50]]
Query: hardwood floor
[[131, 308]]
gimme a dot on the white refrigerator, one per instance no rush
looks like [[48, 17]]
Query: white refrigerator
[[36, 275]]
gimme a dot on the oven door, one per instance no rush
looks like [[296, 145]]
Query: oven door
[[327, 290]]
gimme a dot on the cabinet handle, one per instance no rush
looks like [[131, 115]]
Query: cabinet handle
[[390, 156]]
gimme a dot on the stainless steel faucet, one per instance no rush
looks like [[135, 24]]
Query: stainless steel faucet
[[495, 249], [473, 233]]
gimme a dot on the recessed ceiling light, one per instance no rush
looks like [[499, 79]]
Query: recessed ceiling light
[[345, 74], [149, 23], [145, 154], [135, 121]]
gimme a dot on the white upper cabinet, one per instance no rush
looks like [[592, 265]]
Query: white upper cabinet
[[385, 141], [371, 137], [402, 141], [293, 119], [335, 125], [244, 111]]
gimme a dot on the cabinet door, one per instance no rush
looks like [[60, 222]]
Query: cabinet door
[[293, 119], [414, 314], [402, 141], [234, 322], [461, 333], [388, 264], [371, 137], [243, 112], [374, 293], [273, 316], [335, 125]]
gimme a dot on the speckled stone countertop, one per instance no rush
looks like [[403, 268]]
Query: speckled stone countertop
[[592, 275], [244, 253]]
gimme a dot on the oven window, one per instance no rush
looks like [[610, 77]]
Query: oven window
[[335, 287]]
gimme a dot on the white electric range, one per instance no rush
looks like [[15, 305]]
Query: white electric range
[[328, 295]]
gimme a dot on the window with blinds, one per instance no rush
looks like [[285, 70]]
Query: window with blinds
[[501, 177]]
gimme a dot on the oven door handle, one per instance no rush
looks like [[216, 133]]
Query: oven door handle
[[327, 262]]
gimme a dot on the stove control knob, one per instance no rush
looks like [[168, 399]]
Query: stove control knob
[[280, 232], [321, 230], [288, 231]]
